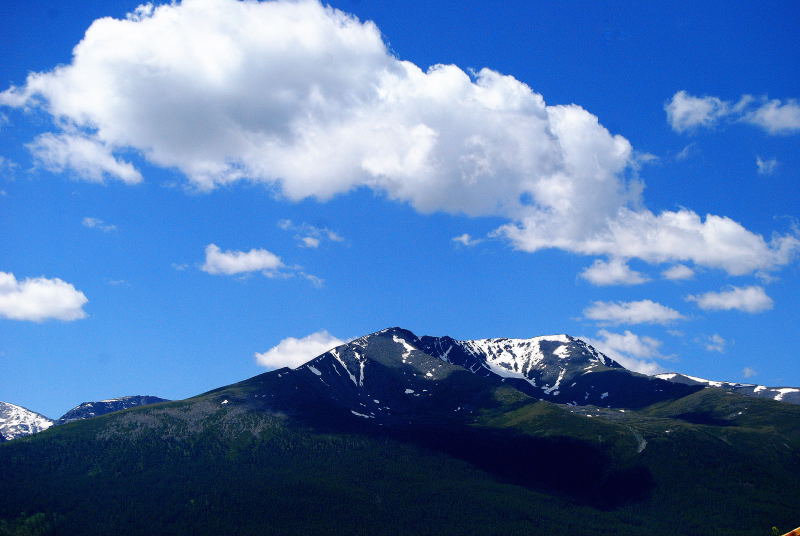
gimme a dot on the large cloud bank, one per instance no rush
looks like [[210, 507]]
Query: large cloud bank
[[308, 100]]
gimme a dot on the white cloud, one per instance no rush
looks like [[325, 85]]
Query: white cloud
[[751, 299], [686, 112], [89, 158], [612, 272], [635, 312], [629, 350], [715, 343], [7, 167], [39, 298], [97, 223], [466, 240], [748, 372], [685, 153], [232, 262], [309, 101], [766, 167], [682, 235], [678, 272], [310, 242], [237, 262], [292, 352], [776, 117], [310, 236]]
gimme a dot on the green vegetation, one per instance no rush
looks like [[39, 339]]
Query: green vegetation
[[521, 467]]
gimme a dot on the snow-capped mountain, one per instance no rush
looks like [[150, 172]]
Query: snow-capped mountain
[[393, 376], [16, 421], [781, 394], [87, 410]]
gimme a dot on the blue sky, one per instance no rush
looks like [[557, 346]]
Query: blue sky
[[212, 188]]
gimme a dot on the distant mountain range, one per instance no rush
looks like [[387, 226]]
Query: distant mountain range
[[16, 421], [393, 433]]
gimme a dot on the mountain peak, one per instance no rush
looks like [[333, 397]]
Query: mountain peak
[[16, 421]]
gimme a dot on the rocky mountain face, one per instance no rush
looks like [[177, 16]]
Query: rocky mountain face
[[87, 410], [394, 377], [16, 421]]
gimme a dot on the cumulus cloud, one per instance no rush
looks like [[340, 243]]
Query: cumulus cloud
[[752, 299], [748, 372], [38, 298], [310, 236], [678, 272], [232, 262], [612, 272], [776, 117], [292, 352], [635, 312], [220, 262], [309, 101], [630, 350], [682, 235], [97, 223], [766, 167], [686, 112], [87, 157]]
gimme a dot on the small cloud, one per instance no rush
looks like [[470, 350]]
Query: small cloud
[[751, 299], [612, 272], [635, 312], [629, 350], [678, 272], [676, 333], [220, 262], [7, 167], [118, 283], [292, 352], [748, 372], [776, 117], [310, 242], [686, 112], [466, 240], [318, 282], [715, 343], [685, 153], [179, 267], [309, 236], [97, 223], [39, 298], [766, 167]]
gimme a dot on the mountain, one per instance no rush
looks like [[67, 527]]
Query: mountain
[[782, 394], [398, 434], [87, 410], [16, 421]]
